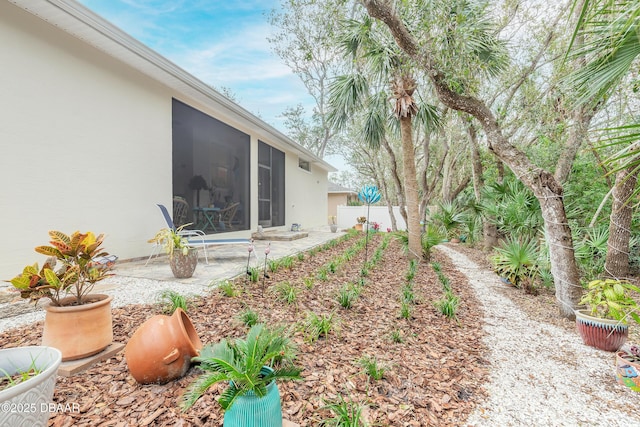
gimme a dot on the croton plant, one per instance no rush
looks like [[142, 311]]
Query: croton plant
[[78, 272]]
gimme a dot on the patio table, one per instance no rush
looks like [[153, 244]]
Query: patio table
[[206, 218]]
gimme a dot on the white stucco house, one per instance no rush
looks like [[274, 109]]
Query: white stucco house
[[96, 128]]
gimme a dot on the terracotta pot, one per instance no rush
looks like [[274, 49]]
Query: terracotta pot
[[627, 372], [183, 266], [359, 227], [79, 331], [605, 334], [161, 349]]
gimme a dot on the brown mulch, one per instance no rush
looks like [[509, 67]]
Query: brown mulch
[[434, 377]]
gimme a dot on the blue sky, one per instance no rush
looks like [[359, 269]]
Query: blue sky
[[222, 42]]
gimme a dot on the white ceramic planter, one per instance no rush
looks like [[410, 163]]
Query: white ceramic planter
[[27, 403]]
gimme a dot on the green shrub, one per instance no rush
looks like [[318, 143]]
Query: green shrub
[[371, 367], [254, 274], [249, 317], [170, 301], [316, 326], [308, 282], [227, 288], [396, 336], [516, 261], [286, 292], [345, 414], [405, 310], [346, 296], [448, 305]]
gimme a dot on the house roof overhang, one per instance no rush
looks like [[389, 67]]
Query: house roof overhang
[[80, 22]]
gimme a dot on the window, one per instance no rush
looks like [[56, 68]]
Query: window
[[304, 164], [210, 169]]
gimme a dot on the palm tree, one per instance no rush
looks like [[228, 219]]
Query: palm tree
[[351, 94], [611, 33], [242, 363]]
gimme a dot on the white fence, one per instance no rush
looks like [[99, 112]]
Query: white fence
[[347, 216]]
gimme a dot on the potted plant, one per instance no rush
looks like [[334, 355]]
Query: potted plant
[[604, 323], [360, 222], [628, 367], [333, 223], [77, 322], [27, 380], [251, 366], [183, 258]]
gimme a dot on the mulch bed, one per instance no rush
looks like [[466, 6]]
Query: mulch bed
[[434, 377]]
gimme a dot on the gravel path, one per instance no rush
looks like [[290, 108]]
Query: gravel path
[[541, 375]]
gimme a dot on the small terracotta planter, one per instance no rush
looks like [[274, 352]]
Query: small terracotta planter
[[161, 349], [183, 266], [605, 334], [358, 227], [627, 372], [79, 331]]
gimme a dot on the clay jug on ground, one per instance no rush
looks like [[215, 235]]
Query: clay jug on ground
[[161, 349]]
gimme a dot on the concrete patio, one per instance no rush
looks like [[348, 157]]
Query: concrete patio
[[136, 283]]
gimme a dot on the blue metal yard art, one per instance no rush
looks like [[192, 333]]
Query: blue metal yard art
[[369, 194]]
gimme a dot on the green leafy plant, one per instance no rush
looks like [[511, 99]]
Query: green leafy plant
[[80, 269], [517, 262], [308, 282], [371, 367], [316, 326], [274, 265], [248, 364], [227, 288], [405, 310], [287, 262], [448, 305], [170, 300], [322, 274], [345, 414], [171, 240], [346, 296], [396, 336], [300, 256], [8, 380], [612, 299], [249, 317], [407, 294], [431, 237], [286, 292], [411, 272], [436, 267], [254, 274]]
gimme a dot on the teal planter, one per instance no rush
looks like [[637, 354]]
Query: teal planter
[[252, 411]]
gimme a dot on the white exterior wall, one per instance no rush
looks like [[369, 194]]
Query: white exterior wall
[[303, 206], [86, 145]]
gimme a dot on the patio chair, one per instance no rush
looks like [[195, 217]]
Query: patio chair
[[194, 237], [180, 211], [227, 214]]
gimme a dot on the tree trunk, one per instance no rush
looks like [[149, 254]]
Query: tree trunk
[[489, 229], [396, 179], [411, 188], [617, 261]]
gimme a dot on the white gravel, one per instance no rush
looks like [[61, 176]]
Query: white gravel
[[541, 375]]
